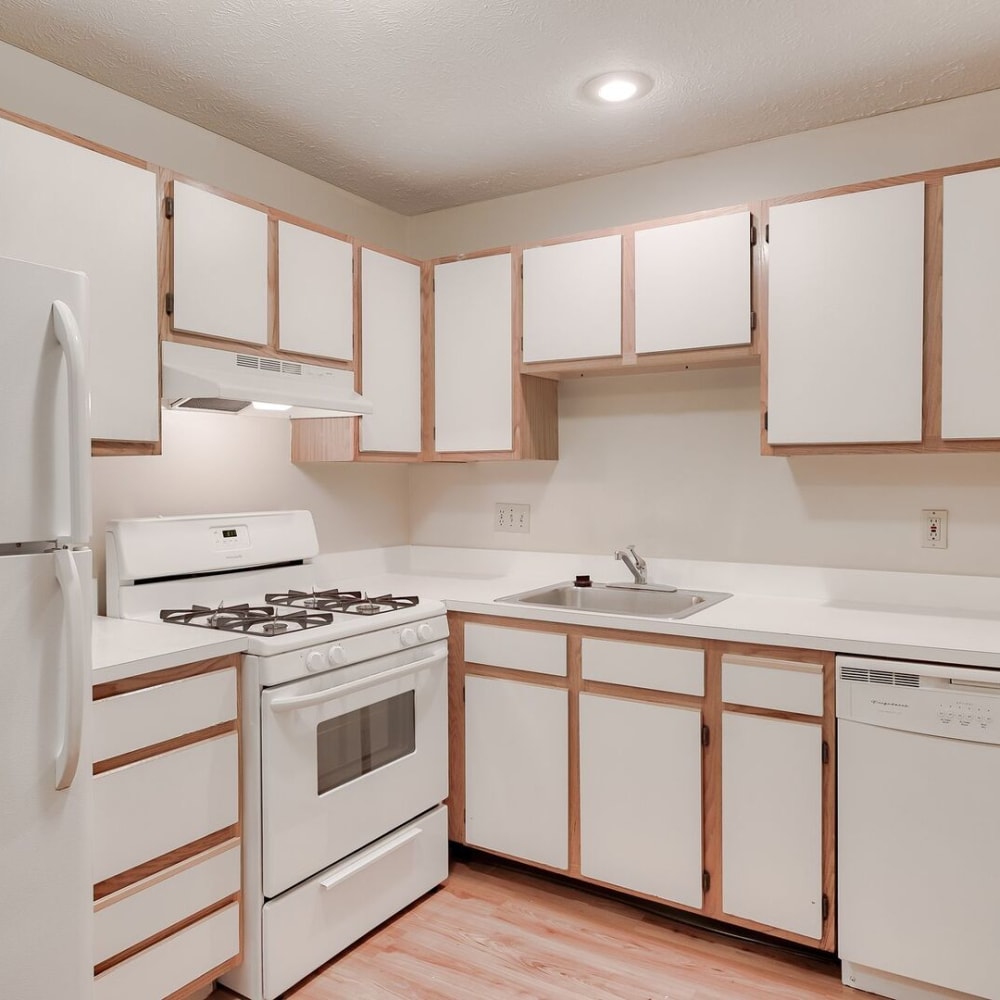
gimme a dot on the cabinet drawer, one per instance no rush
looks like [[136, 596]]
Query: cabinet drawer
[[316, 920], [777, 684], [175, 962], [515, 648], [638, 664], [127, 722], [139, 912], [152, 807]]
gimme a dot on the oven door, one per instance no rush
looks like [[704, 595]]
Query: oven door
[[349, 755]]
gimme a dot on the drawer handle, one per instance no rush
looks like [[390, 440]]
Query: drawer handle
[[369, 859]]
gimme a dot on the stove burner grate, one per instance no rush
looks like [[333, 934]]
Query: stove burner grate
[[350, 602], [253, 619]]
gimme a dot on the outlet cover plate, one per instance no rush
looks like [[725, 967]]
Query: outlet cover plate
[[512, 517], [934, 529]]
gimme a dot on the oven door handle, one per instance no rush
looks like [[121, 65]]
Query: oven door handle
[[371, 857], [329, 694]]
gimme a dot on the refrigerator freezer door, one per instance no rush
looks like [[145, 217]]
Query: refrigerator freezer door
[[45, 850], [35, 435]]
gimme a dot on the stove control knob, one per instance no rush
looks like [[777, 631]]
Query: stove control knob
[[425, 632], [316, 661], [408, 637], [337, 656]]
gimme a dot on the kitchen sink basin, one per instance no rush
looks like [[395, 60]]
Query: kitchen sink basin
[[635, 600]]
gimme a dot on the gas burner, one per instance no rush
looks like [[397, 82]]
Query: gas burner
[[256, 620], [351, 602]]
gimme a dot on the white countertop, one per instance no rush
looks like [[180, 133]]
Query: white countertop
[[127, 648], [948, 619], [868, 613]]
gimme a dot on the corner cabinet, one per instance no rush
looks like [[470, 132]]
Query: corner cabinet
[[167, 844], [69, 206], [695, 774], [483, 408]]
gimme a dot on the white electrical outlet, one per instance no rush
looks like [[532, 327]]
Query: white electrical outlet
[[935, 529], [512, 517]]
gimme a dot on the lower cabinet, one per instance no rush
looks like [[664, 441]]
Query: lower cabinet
[[167, 854], [640, 797], [518, 788], [697, 773]]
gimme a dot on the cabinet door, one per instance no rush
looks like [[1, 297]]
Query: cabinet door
[[772, 822], [845, 318], [692, 284], [573, 300], [220, 266], [70, 207], [390, 352], [970, 404], [472, 355], [315, 293], [640, 797], [517, 769]]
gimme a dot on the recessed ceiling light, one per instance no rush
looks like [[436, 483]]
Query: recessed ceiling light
[[616, 88]]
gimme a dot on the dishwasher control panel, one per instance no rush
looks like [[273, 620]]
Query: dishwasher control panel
[[952, 702]]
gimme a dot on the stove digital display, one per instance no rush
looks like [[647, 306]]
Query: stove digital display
[[228, 532]]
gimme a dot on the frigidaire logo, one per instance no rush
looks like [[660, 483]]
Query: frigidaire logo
[[882, 703]]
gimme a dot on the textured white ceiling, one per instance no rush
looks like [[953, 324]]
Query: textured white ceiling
[[423, 104]]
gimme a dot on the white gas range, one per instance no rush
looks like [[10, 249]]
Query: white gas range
[[344, 727]]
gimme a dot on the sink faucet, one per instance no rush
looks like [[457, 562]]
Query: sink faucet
[[635, 563]]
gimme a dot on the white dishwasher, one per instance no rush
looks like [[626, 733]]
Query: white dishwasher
[[919, 828]]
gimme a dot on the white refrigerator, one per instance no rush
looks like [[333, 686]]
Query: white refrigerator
[[45, 617]]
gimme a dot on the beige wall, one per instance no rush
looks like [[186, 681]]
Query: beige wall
[[216, 463], [672, 462]]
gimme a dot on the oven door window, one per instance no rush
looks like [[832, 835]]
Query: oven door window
[[360, 742]]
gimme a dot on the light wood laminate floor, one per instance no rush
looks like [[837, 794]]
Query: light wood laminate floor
[[493, 933]]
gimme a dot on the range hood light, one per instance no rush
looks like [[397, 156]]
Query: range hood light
[[270, 406]]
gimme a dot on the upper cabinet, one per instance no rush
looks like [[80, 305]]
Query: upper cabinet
[[970, 404], [315, 293], [573, 300], [220, 266], [390, 353], [692, 284], [845, 324], [68, 206], [473, 362]]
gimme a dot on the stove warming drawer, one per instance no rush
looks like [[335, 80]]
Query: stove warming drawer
[[314, 921]]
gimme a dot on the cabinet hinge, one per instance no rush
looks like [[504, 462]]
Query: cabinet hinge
[[753, 235], [706, 736], [767, 233], [706, 881], [168, 208], [765, 420], [826, 752], [753, 320], [826, 907], [169, 305]]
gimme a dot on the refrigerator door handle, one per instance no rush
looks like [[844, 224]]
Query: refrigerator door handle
[[68, 334], [77, 673]]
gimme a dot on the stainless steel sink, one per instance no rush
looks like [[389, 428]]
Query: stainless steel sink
[[636, 600]]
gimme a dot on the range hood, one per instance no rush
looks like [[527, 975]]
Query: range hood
[[202, 378]]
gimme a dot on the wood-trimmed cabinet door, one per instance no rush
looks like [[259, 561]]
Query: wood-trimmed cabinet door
[[970, 404], [641, 797], [390, 353], [845, 291], [315, 293], [473, 366], [220, 266], [67, 206], [772, 822], [692, 284], [572, 300], [517, 769]]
